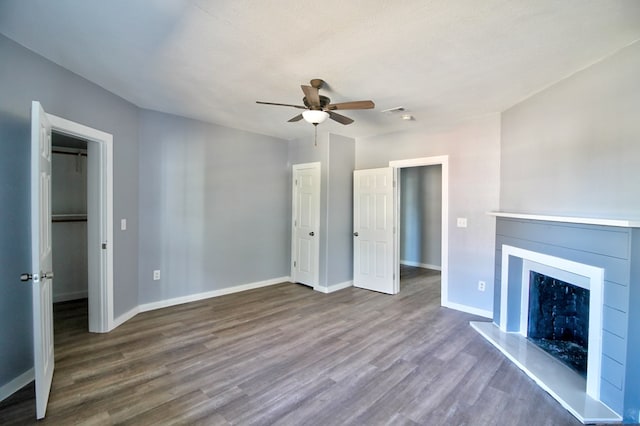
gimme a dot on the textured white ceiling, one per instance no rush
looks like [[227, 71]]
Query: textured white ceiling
[[443, 60]]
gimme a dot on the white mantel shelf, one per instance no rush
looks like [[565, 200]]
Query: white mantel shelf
[[623, 223]]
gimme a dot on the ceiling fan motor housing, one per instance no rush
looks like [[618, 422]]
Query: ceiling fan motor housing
[[324, 101]]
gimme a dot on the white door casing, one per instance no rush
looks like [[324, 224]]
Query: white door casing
[[100, 219], [443, 161], [373, 230], [305, 245], [41, 256]]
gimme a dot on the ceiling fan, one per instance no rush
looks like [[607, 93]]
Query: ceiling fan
[[318, 107]]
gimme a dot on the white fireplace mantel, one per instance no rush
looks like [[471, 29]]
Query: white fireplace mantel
[[624, 223]]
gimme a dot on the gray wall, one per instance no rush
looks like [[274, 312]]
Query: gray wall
[[214, 207], [25, 76], [337, 156], [474, 162], [574, 149], [340, 210], [421, 216]]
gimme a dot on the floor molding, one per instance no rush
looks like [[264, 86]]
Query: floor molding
[[215, 293], [335, 287], [468, 309], [125, 317], [16, 384], [421, 265]]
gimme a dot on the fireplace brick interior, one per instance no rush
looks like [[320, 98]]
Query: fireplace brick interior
[[559, 319]]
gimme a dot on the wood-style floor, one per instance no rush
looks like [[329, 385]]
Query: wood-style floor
[[288, 355]]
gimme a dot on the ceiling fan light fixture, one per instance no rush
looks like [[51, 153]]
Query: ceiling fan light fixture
[[314, 116]]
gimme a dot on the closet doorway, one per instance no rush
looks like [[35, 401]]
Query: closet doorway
[[69, 218]]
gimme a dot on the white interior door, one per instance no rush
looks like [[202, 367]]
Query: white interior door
[[41, 265], [373, 221], [306, 223]]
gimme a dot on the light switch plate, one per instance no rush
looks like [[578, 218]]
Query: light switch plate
[[123, 224]]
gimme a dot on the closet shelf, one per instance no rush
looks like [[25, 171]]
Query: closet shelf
[[69, 217]]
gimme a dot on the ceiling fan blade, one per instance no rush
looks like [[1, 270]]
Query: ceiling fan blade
[[296, 118], [339, 118], [352, 105], [287, 105], [311, 93]]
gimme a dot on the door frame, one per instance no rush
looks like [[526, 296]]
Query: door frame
[[443, 161], [100, 210], [294, 197]]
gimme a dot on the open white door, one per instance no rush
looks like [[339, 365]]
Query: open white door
[[373, 230], [306, 224], [41, 264]]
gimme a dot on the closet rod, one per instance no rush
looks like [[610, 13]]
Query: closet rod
[[55, 151]]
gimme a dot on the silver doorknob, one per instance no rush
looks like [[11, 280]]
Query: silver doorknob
[[312, 233], [26, 277], [355, 234], [46, 275]]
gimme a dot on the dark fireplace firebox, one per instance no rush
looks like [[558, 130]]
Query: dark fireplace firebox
[[559, 319]]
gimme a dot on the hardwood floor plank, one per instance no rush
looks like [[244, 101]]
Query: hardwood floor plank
[[288, 355]]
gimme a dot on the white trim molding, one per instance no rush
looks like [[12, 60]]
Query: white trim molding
[[334, 287], [420, 265], [469, 309], [16, 384], [443, 161], [126, 316], [624, 223], [101, 268], [209, 294]]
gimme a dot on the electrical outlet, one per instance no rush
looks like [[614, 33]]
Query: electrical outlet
[[462, 222], [156, 275], [482, 286]]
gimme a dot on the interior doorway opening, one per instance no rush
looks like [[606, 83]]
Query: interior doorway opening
[[99, 213], [442, 163], [420, 224], [69, 218]]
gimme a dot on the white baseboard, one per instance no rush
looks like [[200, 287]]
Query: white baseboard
[[16, 384], [421, 265], [72, 295], [468, 309], [125, 317], [206, 295], [335, 287]]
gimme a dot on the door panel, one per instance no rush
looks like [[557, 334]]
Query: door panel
[[306, 223], [41, 256], [373, 230]]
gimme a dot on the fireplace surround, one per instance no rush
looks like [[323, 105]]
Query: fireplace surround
[[600, 254]]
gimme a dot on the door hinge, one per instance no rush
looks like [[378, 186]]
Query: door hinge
[[104, 246], [295, 223], [296, 182], [294, 263]]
